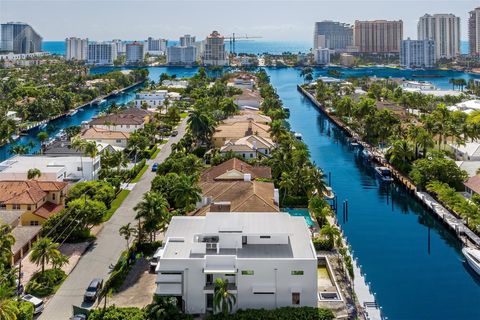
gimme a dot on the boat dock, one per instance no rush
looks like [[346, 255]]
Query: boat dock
[[451, 220], [371, 310]]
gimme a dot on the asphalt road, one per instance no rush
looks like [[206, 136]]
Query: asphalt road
[[98, 261]]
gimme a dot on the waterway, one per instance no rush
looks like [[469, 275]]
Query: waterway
[[413, 263]]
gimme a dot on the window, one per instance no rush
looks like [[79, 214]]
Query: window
[[29, 207], [297, 273], [79, 168], [15, 206], [264, 237], [247, 272], [295, 297], [34, 223], [53, 196], [118, 141], [3, 206]]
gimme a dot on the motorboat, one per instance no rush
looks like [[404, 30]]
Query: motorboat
[[298, 136], [384, 174], [72, 112], [473, 258], [328, 193], [367, 154]]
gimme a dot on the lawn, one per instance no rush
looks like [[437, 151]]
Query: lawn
[[115, 204], [140, 174], [155, 154], [183, 115]]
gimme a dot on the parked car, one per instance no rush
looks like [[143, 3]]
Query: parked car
[[154, 167], [93, 290], [174, 133], [37, 303]]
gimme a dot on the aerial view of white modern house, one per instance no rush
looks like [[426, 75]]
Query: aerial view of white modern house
[[268, 259]]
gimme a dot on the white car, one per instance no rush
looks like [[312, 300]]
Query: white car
[[37, 303]]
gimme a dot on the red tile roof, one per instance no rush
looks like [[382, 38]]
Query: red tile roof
[[238, 165], [48, 209]]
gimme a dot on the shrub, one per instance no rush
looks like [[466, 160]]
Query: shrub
[[148, 248], [116, 313], [295, 201], [25, 310], [437, 168], [46, 283], [322, 244], [285, 313]]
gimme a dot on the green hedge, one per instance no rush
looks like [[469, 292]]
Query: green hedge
[[115, 313], [285, 313], [46, 283], [322, 244], [25, 310], [295, 201]]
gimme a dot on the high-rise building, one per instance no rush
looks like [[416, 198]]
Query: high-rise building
[[379, 36], [444, 29], [474, 32], [417, 53], [332, 35], [321, 56], [214, 53], [102, 53], [18, 37], [76, 49], [121, 47], [187, 40], [156, 46], [135, 53]]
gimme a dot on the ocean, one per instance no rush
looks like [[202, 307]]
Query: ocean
[[242, 46]]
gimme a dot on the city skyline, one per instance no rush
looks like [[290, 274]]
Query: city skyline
[[82, 19]]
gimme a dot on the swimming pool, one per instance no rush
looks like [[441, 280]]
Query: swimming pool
[[300, 212]]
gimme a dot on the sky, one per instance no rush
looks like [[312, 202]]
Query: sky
[[270, 19]]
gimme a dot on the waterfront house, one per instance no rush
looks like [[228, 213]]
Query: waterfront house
[[249, 147], [470, 151], [235, 169], [243, 81], [112, 138], [127, 120], [248, 98], [155, 99], [472, 185], [268, 259], [237, 130], [249, 115], [69, 169], [63, 148], [36, 200], [177, 84]]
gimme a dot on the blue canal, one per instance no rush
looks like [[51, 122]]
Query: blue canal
[[412, 261]]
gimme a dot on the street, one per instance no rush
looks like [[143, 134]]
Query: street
[[98, 261]]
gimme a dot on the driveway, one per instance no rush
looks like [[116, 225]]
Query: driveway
[[98, 261]]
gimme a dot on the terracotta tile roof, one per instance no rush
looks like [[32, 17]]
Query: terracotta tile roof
[[243, 196], [249, 95], [239, 130], [27, 192], [249, 143], [48, 209], [247, 116], [237, 167], [96, 133], [474, 184], [118, 119]]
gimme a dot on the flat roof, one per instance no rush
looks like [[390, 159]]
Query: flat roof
[[43, 163], [183, 229]]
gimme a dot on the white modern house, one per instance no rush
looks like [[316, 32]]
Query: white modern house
[[268, 259], [155, 99], [249, 147], [72, 168]]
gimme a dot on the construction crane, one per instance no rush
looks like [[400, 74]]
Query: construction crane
[[233, 38]]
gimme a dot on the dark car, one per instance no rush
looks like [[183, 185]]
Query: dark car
[[174, 133], [93, 290], [154, 167]]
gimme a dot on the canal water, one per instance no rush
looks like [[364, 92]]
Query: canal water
[[413, 263]]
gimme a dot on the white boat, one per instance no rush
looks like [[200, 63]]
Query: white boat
[[473, 258], [298, 136], [328, 193], [43, 126], [384, 174], [72, 112], [103, 101]]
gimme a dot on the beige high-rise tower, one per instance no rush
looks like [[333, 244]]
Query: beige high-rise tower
[[379, 36], [474, 32]]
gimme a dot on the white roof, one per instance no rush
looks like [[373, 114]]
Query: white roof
[[470, 167], [466, 105], [43, 163], [472, 149]]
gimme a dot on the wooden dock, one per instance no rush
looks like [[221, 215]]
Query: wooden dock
[[450, 220]]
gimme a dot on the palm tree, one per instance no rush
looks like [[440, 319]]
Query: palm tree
[[43, 251], [316, 205], [153, 210], [127, 232], [286, 183], [162, 308], [223, 300], [20, 149], [200, 125], [400, 153], [79, 145], [91, 150], [330, 232], [8, 306], [59, 260], [7, 240], [186, 192], [33, 173], [42, 136]]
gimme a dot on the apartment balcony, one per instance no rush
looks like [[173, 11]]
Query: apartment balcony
[[220, 264]]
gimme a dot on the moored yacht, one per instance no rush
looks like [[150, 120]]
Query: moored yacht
[[473, 258], [384, 174]]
